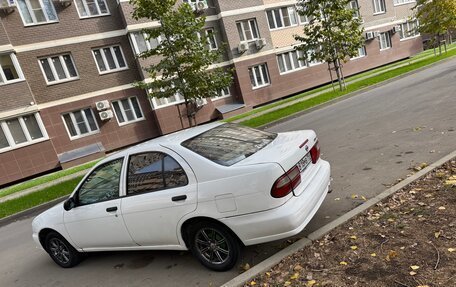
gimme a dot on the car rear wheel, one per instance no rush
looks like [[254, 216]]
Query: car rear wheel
[[214, 246], [61, 251]]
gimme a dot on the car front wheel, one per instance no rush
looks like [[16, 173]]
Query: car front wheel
[[214, 246], [61, 251]]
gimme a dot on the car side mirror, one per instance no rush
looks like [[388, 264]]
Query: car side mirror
[[69, 204]]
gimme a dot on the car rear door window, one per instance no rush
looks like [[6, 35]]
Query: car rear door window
[[229, 143], [152, 171], [102, 184]]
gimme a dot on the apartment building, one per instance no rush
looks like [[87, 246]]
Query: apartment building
[[67, 68]]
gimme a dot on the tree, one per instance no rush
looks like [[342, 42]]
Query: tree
[[184, 54], [436, 17], [333, 35]]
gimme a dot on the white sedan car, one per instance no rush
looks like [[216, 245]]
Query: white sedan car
[[210, 189]]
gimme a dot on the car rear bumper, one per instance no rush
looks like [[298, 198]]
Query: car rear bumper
[[286, 220]]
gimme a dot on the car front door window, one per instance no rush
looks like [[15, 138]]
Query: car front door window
[[102, 184]]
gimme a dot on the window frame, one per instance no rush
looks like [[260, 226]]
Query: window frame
[[144, 35], [407, 25], [156, 106], [378, 4], [224, 93], [32, 15], [54, 72], [122, 110], [264, 68], [363, 48], [75, 124], [241, 25], [209, 36], [289, 9], [402, 2], [6, 131], [163, 154], [84, 3], [116, 62], [387, 40], [299, 54], [16, 66]]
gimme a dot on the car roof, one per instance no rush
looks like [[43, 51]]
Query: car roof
[[173, 139]]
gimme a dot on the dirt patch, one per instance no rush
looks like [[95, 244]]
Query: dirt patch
[[407, 240]]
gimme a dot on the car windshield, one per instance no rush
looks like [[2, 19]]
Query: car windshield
[[229, 143]]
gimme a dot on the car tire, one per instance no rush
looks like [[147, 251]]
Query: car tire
[[61, 251], [214, 245]]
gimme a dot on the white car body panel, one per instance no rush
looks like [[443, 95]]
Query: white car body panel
[[238, 196]]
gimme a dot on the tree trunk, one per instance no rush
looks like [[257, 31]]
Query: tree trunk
[[189, 115], [331, 76], [342, 74], [440, 47], [336, 67]]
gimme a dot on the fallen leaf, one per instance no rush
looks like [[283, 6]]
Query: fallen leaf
[[422, 286], [354, 247], [437, 234], [287, 283], [412, 273], [442, 208], [246, 266], [343, 263], [268, 274], [354, 196], [451, 250], [415, 267], [311, 283], [295, 276], [297, 268], [337, 198], [373, 254], [363, 197], [353, 237], [391, 255], [253, 283]]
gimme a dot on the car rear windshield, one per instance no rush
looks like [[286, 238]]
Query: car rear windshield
[[229, 143]]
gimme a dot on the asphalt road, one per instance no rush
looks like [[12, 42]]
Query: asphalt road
[[371, 141]]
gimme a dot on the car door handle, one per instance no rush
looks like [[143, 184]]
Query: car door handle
[[179, 198], [111, 209]]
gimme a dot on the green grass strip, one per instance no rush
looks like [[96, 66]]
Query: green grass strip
[[33, 199], [44, 179], [301, 106], [328, 86]]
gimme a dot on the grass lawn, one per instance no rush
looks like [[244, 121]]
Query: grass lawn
[[28, 201], [44, 179], [301, 106], [328, 86]]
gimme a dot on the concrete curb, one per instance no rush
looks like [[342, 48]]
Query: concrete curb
[[31, 211], [276, 258]]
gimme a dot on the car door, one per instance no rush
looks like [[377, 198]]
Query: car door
[[160, 189], [95, 222]]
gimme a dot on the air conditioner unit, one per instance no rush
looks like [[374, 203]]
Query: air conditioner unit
[[244, 46], [201, 5], [106, 115], [370, 35], [200, 102], [260, 43], [7, 4], [65, 3], [376, 33], [397, 28], [102, 105]]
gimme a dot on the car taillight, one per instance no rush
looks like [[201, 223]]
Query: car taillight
[[315, 152], [286, 183]]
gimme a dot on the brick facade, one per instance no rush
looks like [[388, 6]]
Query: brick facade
[[78, 36]]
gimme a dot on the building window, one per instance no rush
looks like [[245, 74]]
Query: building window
[[57, 69], [10, 71], [400, 2], [282, 17], [91, 8], [290, 61], [127, 110], [354, 6], [259, 76], [248, 30], [385, 41], [80, 123], [379, 6], [37, 11], [21, 131], [169, 101], [409, 30], [141, 44], [109, 59], [361, 53], [210, 34], [224, 93]]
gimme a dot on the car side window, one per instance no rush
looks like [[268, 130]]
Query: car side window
[[153, 171], [102, 184]]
